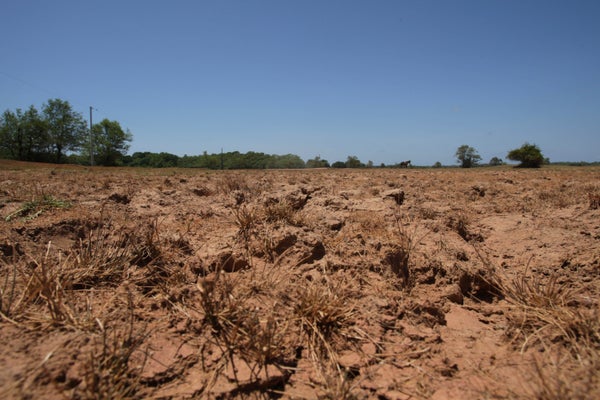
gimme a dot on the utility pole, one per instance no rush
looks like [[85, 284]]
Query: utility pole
[[91, 140]]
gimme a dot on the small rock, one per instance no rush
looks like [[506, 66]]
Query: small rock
[[454, 294]]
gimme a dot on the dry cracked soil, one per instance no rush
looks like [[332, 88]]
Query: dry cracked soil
[[341, 284]]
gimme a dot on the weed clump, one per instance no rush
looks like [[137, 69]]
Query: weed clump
[[32, 209]]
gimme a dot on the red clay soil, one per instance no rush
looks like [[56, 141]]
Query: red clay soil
[[373, 283]]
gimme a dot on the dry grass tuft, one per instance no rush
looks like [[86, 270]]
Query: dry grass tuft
[[62, 283], [323, 311], [46, 284], [243, 334], [282, 211], [545, 313], [9, 304], [109, 372], [325, 314], [405, 240], [560, 377], [100, 260], [246, 219]]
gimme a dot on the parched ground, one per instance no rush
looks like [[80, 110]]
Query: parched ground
[[373, 283]]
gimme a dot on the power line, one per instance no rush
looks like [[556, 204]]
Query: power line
[[39, 88], [27, 83]]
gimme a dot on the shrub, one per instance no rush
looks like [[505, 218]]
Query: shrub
[[529, 155], [495, 161]]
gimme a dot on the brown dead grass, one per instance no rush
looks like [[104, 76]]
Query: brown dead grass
[[299, 284]]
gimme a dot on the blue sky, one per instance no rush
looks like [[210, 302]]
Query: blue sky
[[385, 81]]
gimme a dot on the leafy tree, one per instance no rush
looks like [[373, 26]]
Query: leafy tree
[[495, 161], [210, 161], [11, 134], [354, 162], [37, 146], [66, 128], [317, 163], [286, 161], [467, 156], [23, 135], [338, 164], [110, 143], [51, 135], [153, 160], [529, 155], [437, 164]]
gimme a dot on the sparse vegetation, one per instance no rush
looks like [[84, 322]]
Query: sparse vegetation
[[321, 283], [32, 209]]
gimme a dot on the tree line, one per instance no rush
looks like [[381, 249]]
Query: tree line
[[228, 160], [59, 134], [237, 160]]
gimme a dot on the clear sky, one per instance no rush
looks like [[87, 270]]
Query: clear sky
[[385, 81]]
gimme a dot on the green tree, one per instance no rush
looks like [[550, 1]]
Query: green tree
[[66, 128], [36, 136], [529, 155], [23, 135], [317, 163], [212, 161], [354, 162], [11, 134], [287, 161], [110, 143], [495, 161], [467, 156], [152, 160]]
